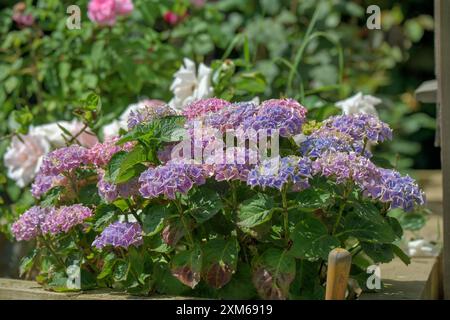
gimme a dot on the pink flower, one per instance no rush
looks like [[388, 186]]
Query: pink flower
[[198, 3], [23, 157], [171, 18], [124, 7], [23, 20], [104, 12]]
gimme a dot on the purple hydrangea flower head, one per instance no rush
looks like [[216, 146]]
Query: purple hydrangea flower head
[[331, 140], [400, 191], [42, 183], [120, 234], [233, 164], [63, 219], [152, 110], [170, 178], [231, 117], [278, 172], [64, 160], [360, 127], [101, 153], [344, 167], [316, 147], [28, 226], [285, 115], [203, 107], [110, 191]]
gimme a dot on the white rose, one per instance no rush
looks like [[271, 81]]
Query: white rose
[[359, 103], [190, 85], [112, 129], [23, 159], [55, 136]]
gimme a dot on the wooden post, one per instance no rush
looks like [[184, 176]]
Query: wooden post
[[442, 34], [339, 263]]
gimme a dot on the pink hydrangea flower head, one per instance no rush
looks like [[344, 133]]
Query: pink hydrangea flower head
[[63, 219], [203, 107], [64, 160], [101, 153], [28, 226]]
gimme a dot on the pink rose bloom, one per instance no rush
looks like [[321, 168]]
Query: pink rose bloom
[[104, 12], [23, 20], [198, 3], [171, 18], [124, 7], [87, 138], [23, 158]]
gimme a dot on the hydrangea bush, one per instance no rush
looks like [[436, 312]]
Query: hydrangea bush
[[171, 206]]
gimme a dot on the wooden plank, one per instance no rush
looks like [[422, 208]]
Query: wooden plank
[[11, 289], [442, 33], [427, 92], [417, 281]]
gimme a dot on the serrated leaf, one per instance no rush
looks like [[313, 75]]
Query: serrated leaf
[[52, 197], [108, 266], [311, 199], [27, 262], [204, 204], [160, 130], [255, 211], [121, 269], [311, 240], [173, 231], [153, 218], [241, 286], [273, 273], [365, 223], [220, 261], [187, 266], [401, 254], [104, 215], [123, 166], [378, 252], [165, 282]]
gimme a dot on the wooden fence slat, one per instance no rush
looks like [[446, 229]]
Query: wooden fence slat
[[442, 45], [339, 263]]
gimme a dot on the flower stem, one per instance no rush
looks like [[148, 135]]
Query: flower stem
[[339, 217], [341, 211], [285, 214], [53, 252], [133, 212], [183, 221]]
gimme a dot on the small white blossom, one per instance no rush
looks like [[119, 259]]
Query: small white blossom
[[359, 103], [190, 85]]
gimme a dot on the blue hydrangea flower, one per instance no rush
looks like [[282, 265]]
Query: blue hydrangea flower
[[285, 115], [170, 178], [360, 127], [120, 234], [277, 172], [64, 159]]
